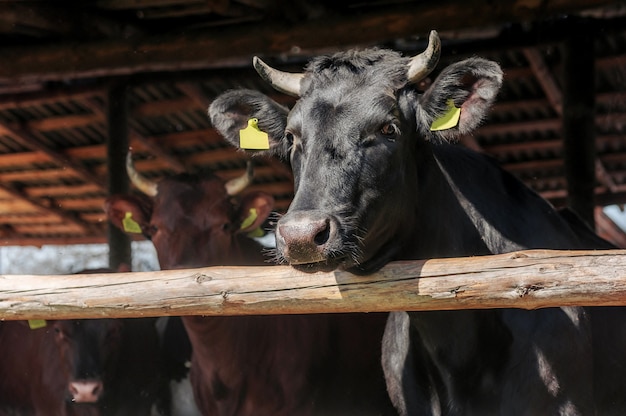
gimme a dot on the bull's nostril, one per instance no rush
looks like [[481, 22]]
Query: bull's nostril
[[322, 237]]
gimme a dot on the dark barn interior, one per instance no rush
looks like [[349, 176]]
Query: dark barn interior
[[80, 81]]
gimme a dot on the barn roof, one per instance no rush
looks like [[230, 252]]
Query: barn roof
[[61, 61]]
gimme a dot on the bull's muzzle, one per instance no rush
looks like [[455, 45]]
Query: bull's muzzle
[[306, 237]]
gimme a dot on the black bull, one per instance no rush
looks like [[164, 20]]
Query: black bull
[[376, 180]]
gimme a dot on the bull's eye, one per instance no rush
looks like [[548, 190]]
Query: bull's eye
[[289, 138], [389, 130]]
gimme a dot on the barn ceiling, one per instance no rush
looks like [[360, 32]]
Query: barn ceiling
[[62, 60]]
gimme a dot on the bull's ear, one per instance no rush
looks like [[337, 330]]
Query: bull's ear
[[254, 210], [129, 213], [459, 99], [233, 111]]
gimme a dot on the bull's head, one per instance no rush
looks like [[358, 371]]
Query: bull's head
[[88, 349], [191, 221], [357, 140]]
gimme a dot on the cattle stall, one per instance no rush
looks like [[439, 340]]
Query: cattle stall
[[89, 88]]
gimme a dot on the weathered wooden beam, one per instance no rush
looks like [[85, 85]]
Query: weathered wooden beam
[[232, 46], [528, 280]]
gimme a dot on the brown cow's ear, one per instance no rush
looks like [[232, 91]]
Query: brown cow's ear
[[459, 99], [234, 111], [128, 213], [254, 209]]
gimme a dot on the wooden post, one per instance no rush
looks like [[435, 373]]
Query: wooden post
[[117, 147], [578, 120]]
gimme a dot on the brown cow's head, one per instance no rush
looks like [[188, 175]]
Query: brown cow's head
[[193, 221], [89, 351], [358, 139]]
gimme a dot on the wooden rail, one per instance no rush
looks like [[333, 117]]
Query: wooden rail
[[528, 279]]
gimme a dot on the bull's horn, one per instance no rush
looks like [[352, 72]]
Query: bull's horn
[[142, 183], [421, 65], [236, 185], [284, 82]]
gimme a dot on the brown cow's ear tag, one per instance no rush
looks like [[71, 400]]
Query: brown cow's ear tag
[[36, 323], [130, 225], [252, 137], [250, 219], [447, 120]]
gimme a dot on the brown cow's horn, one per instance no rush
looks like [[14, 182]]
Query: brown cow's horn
[[145, 185], [421, 65], [285, 82], [236, 185]]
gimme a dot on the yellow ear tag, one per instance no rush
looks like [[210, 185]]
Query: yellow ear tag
[[249, 219], [252, 138], [449, 119], [36, 323], [130, 225]]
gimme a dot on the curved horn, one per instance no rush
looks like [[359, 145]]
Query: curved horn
[[145, 185], [236, 185], [421, 65], [284, 82]]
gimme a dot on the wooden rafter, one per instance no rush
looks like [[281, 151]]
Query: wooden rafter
[[28, 139], [206, 49], [150, 143], [51, 207]]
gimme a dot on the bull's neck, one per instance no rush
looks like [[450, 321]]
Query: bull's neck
[[442, 226]]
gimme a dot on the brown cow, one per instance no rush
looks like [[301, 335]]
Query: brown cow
[[79, 367], [254, 365], [52, 369]]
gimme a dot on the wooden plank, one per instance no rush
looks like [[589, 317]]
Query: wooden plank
[[81, 204], [48, 229], [29, 219], [146, 143], [45, 176], [51, 206], [12, 160], [70, 121], [14, 205], [63, 94], [164, 107], [56, 191], [527, 280], [27, 138]]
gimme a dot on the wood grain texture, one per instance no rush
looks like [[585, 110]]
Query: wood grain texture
[[528, 279]]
